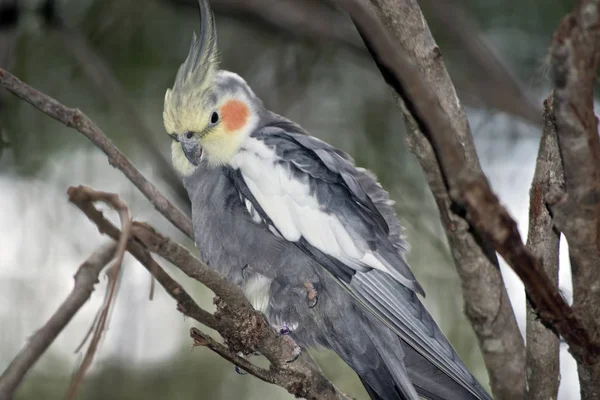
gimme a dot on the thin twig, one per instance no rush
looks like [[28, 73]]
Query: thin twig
[[85, 279], [114, 274], [73, 118], [243, 328], [185, 302], [543, 372]]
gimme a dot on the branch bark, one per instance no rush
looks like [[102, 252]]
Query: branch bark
[[243, 328], [486, 301], [85, 279], [74, 118], [575, 58], [543, 369]]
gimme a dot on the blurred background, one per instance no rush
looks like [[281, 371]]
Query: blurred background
[[114, 59]]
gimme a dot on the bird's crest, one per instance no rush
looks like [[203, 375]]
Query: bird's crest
[[195, 76]]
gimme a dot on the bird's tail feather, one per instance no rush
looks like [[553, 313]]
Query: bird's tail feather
[[379, 367], [404, 363]]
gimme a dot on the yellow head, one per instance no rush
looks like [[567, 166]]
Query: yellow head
[[208, 112]]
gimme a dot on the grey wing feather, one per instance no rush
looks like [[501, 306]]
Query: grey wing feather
[[336, 183], [403, 312]]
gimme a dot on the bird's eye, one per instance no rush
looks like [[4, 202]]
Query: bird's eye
[[189, 134], [214, 117]]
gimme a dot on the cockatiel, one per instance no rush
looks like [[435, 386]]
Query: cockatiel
[[312, 240]]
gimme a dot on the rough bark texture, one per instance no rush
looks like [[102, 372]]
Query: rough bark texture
[[543, 369], [486, 301], [574, 64]]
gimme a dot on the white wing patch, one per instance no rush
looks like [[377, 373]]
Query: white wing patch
[[294, 211]]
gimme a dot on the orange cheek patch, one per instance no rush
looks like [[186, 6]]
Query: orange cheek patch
[[234, 114]]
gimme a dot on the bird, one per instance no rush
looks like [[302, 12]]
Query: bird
[[312, 239]]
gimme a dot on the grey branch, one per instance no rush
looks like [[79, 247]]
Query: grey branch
[[486, 301], [543, 369], [575, 58], [73, 118], [243, 328], [85, 279]]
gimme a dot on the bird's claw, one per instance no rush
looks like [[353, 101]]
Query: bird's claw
[[240, 371], [311, 294], [285, 329], [237, 368]]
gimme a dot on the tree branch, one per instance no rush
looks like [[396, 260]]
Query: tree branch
[[543, 369], [469, 187], [243, 328], [486, 301], [85, 279], [73, 118], [575, 58]]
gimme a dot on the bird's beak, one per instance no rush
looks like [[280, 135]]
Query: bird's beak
[[192, 151], [191, 148]]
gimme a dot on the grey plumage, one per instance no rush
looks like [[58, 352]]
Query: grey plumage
[[275, 209], [228, 239]]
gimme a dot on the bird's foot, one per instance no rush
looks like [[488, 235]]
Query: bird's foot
[[240, 371], [286, 328], [311, 294]]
